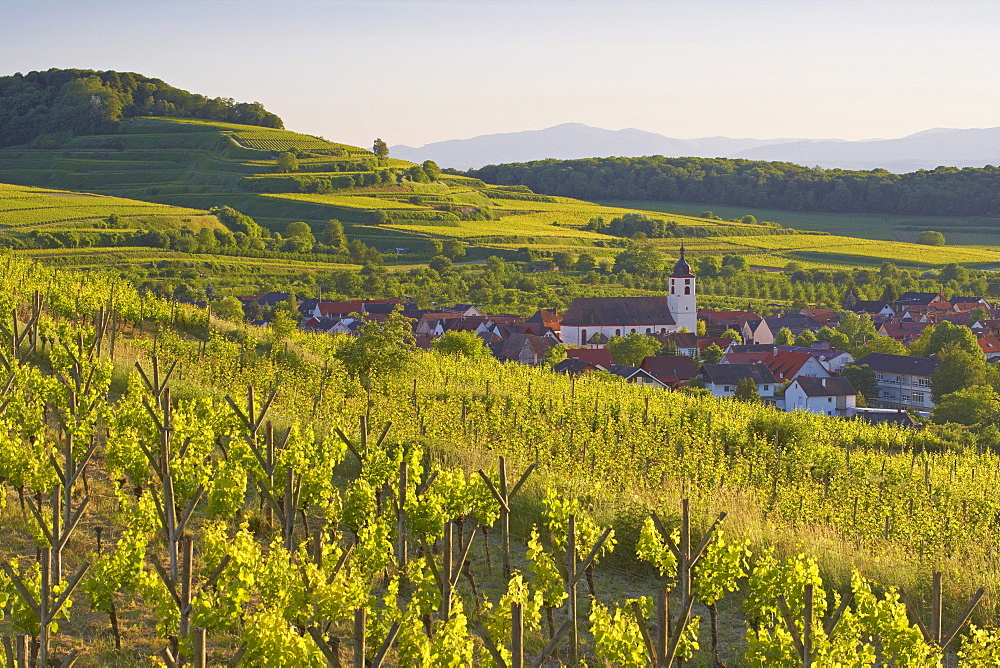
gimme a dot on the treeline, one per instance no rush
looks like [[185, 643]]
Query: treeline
[[49, 107], [776, 185]]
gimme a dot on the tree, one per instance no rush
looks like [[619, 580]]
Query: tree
[[631, 349], [460, 344], [334, 236], [229, 308], [732, 334], [881, 344], [805, 339], [946, 334], [958, 369], [435, 247], [431, 169], [554, 355], [784, 337], [283, 325], [712, 355], [440, 264], [977, 314], [287, 162], [380, 149], [454, 249], [746, 390], [702, 329], [748, 220], [563, 260], [585, 262], [857, 328], [639, 258], [976, 405], [381, 348], [930, 238], [862, 378]]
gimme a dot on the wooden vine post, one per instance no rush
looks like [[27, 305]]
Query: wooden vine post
[[504, 496], [48, 604], [935, 634], [663, 651], [451, 571], [360, 625], [182, 592]]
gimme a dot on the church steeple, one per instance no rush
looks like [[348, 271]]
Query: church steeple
[[682, 268]]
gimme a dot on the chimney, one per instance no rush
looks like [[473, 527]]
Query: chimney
[[822, 381]]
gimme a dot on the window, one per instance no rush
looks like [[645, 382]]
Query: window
[[649, 331], [583, 336], [725, 388], [829, 400], [671, 287], [632, 331], [923, 382], [687, 289], [917, 397], [878, 375], [766, 387], [687, 281], [618, 332]]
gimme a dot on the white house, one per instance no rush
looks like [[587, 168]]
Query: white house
[[621, 316], [903, 381], [827, 396], [721, 379]]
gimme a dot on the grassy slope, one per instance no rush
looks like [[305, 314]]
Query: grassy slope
[[200, 164], [971, 231]]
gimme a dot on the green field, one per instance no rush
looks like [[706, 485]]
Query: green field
[[968, 231], [39, 208]]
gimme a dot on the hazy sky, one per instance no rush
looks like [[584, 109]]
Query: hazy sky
[[415, 71]]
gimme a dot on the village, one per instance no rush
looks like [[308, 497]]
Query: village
[[783, 360]]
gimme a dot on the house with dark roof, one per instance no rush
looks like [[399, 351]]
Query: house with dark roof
[[522, 348], [634, 374], [717, 322], [765, 329], [896, 416], [671, 370], [826, 396], [903, 381], [916, 299], [963, 304], [721, 379], [574, 366], [873, 308]]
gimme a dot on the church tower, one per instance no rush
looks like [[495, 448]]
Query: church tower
[[681, 299]]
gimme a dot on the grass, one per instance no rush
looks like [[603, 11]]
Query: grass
[[42, 208], [888, 227]]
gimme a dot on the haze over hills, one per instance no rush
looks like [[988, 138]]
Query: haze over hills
[[923, 150]]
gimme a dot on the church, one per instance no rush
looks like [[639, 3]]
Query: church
[[594, 320]]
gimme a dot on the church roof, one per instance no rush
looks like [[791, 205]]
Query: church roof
[[682, 268], [597, 311]]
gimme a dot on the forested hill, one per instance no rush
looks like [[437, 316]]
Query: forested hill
[[48, 107], [774, 185]]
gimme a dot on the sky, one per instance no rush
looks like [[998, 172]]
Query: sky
[[418, 71]]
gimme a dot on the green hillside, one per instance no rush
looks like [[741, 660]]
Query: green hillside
[[391, 204]]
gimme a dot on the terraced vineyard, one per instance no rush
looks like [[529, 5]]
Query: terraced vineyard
[[41, 208]]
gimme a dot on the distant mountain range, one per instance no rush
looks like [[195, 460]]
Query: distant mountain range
[[923, 150]]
